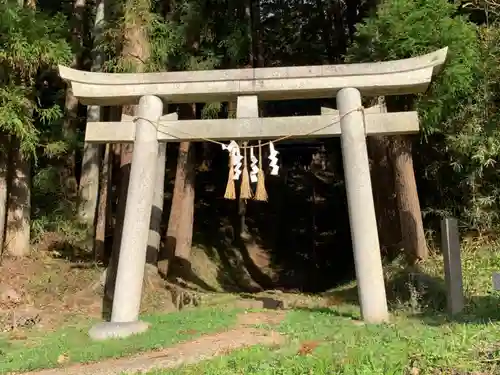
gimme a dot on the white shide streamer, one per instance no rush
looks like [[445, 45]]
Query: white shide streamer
[[273, 157]]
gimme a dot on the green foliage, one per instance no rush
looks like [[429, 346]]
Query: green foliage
[[164, 40], [30, 43], [52, 210], [457, 158], [473, 140], [406, 28], [16, 117]]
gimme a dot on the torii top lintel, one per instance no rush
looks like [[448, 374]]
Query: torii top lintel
[[395, 77]]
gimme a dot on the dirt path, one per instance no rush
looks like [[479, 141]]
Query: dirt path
[[190, 352]]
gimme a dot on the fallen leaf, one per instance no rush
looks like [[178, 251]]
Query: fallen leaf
[[307, 347], [63, 358]]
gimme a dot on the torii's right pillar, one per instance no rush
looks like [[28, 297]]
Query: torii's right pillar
[[363, 222]]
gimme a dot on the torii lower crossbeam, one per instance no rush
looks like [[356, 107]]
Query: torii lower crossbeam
[[327, 125]]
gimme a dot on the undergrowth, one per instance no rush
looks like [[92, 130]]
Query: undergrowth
[[421, 338]]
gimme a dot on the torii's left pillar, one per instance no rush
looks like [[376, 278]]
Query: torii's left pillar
[[132, 260]]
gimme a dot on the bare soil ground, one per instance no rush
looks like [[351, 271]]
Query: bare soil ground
[[58, 286], [53, 289], [206, 347], [49, 292]]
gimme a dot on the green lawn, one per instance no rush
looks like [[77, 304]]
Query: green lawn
[[319, 341], [350, 349], [43, 351], [417, 338]]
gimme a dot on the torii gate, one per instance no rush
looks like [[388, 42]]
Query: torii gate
[[150, 90]]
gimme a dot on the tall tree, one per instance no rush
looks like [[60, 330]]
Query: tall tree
[[4, 151], [408, 203], [168, 250], [154, 238], [180, 224], [71, 122], [184, 232], [382, 175], [380, 38], [88, 190], [135, 53], [33, 43], [17, 235]]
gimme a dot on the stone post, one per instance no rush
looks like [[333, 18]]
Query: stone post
[[450, 246], [132, 259], [366, 248]]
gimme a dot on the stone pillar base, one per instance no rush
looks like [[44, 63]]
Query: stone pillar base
[[112, 330]]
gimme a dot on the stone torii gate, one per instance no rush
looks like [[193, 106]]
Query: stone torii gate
[[151, 90]]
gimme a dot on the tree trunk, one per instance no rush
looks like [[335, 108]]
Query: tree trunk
[[70, 125], [17, 229], [68, 178], [335, 16], [17, 235], [154, 238], [4, 145], [102, 210], [382, 173], [89, 180], [126, 151], [135, 52], [329, 24], [351, 16], [185, 227], [168, 251], [88, 191], [389, 228], [255, 58], [412, 228]]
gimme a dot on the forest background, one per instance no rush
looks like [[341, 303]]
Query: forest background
[[55, 188]]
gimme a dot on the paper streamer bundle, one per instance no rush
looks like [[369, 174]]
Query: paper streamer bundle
[[246, 190], [260, 193], [233, 151], [230, 188]]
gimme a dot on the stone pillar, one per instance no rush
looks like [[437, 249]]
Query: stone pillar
[[366, 248], [450, 246], [132, 259]]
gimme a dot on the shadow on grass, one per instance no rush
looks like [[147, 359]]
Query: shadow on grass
[[423, 297], [326, 310]]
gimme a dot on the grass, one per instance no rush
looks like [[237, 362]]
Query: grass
[[321, 341], [337, 346], [73, 344], [419, 340]]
